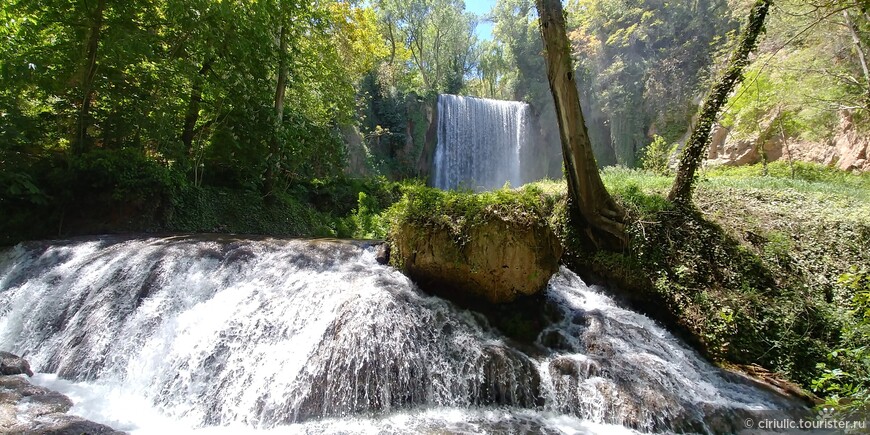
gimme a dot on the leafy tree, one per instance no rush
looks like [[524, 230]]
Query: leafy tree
[[808, 74], [438, 34], [644, 61]]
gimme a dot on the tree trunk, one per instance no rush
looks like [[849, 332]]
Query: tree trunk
[[274, 159], [392, 39], [861, 57], [681, 192], [192, 115], [82, 142], [586, 192]]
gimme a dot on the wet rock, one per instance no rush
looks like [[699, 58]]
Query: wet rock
[[555, 340], [11, 364], [510, 379], [563, 366], [497, 261], [383, 253], [580, 369], [63, 424], [580, 318], [30, 409]]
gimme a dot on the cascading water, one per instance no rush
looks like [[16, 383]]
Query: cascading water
[[181, 333], [479, 142]]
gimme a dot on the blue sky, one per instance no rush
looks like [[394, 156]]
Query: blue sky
[[481, 7]]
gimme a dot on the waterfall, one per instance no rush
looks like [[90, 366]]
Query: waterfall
[[479, 142], [176, 334]]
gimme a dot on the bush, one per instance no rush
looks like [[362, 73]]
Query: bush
[[657, 156]]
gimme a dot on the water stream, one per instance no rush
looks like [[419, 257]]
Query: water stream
[[224, 335]]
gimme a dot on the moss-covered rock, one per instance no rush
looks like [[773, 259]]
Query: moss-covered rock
[[491, 247], [499, 262]]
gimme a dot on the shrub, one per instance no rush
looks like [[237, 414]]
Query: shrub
[[657, 156]]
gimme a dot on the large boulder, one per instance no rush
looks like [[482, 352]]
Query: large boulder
[[13, 365], [495, 261]]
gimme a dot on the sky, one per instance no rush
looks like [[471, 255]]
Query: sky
[[481, 7]]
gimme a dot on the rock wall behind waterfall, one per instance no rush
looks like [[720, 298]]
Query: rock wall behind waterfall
[[396, 138]]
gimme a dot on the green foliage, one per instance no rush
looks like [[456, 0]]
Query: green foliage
[[390, 115], [820, 181], [805, 75], [643, 64], [438, 37], [656, 156], [752, 279], [126, 173], [186, 83], [845, 378]]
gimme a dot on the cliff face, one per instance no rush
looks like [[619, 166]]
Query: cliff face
[[401, 148], [848, 149]]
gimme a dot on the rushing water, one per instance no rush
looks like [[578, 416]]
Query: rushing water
[[479, 142], [159, 335]]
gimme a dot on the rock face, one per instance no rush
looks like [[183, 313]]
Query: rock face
[[29, 409], [13, 365], [848, 150], [496, 261]]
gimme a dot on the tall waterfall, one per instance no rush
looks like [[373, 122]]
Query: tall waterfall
[[169, 335], [479, 142]]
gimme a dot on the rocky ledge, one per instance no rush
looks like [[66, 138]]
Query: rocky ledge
[[29, 409], [498, 260]]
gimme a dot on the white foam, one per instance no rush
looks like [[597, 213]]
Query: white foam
[[182, 334]]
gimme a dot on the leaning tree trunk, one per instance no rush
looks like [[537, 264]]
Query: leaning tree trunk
[[81, 142], [603, 217], [681, 192]]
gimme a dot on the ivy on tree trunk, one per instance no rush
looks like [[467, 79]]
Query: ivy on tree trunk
[[681, 192]]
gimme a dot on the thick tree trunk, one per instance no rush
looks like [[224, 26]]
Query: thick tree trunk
[[274, 159], [681, 192], [188, 132], [82, 142], [603, 217]]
